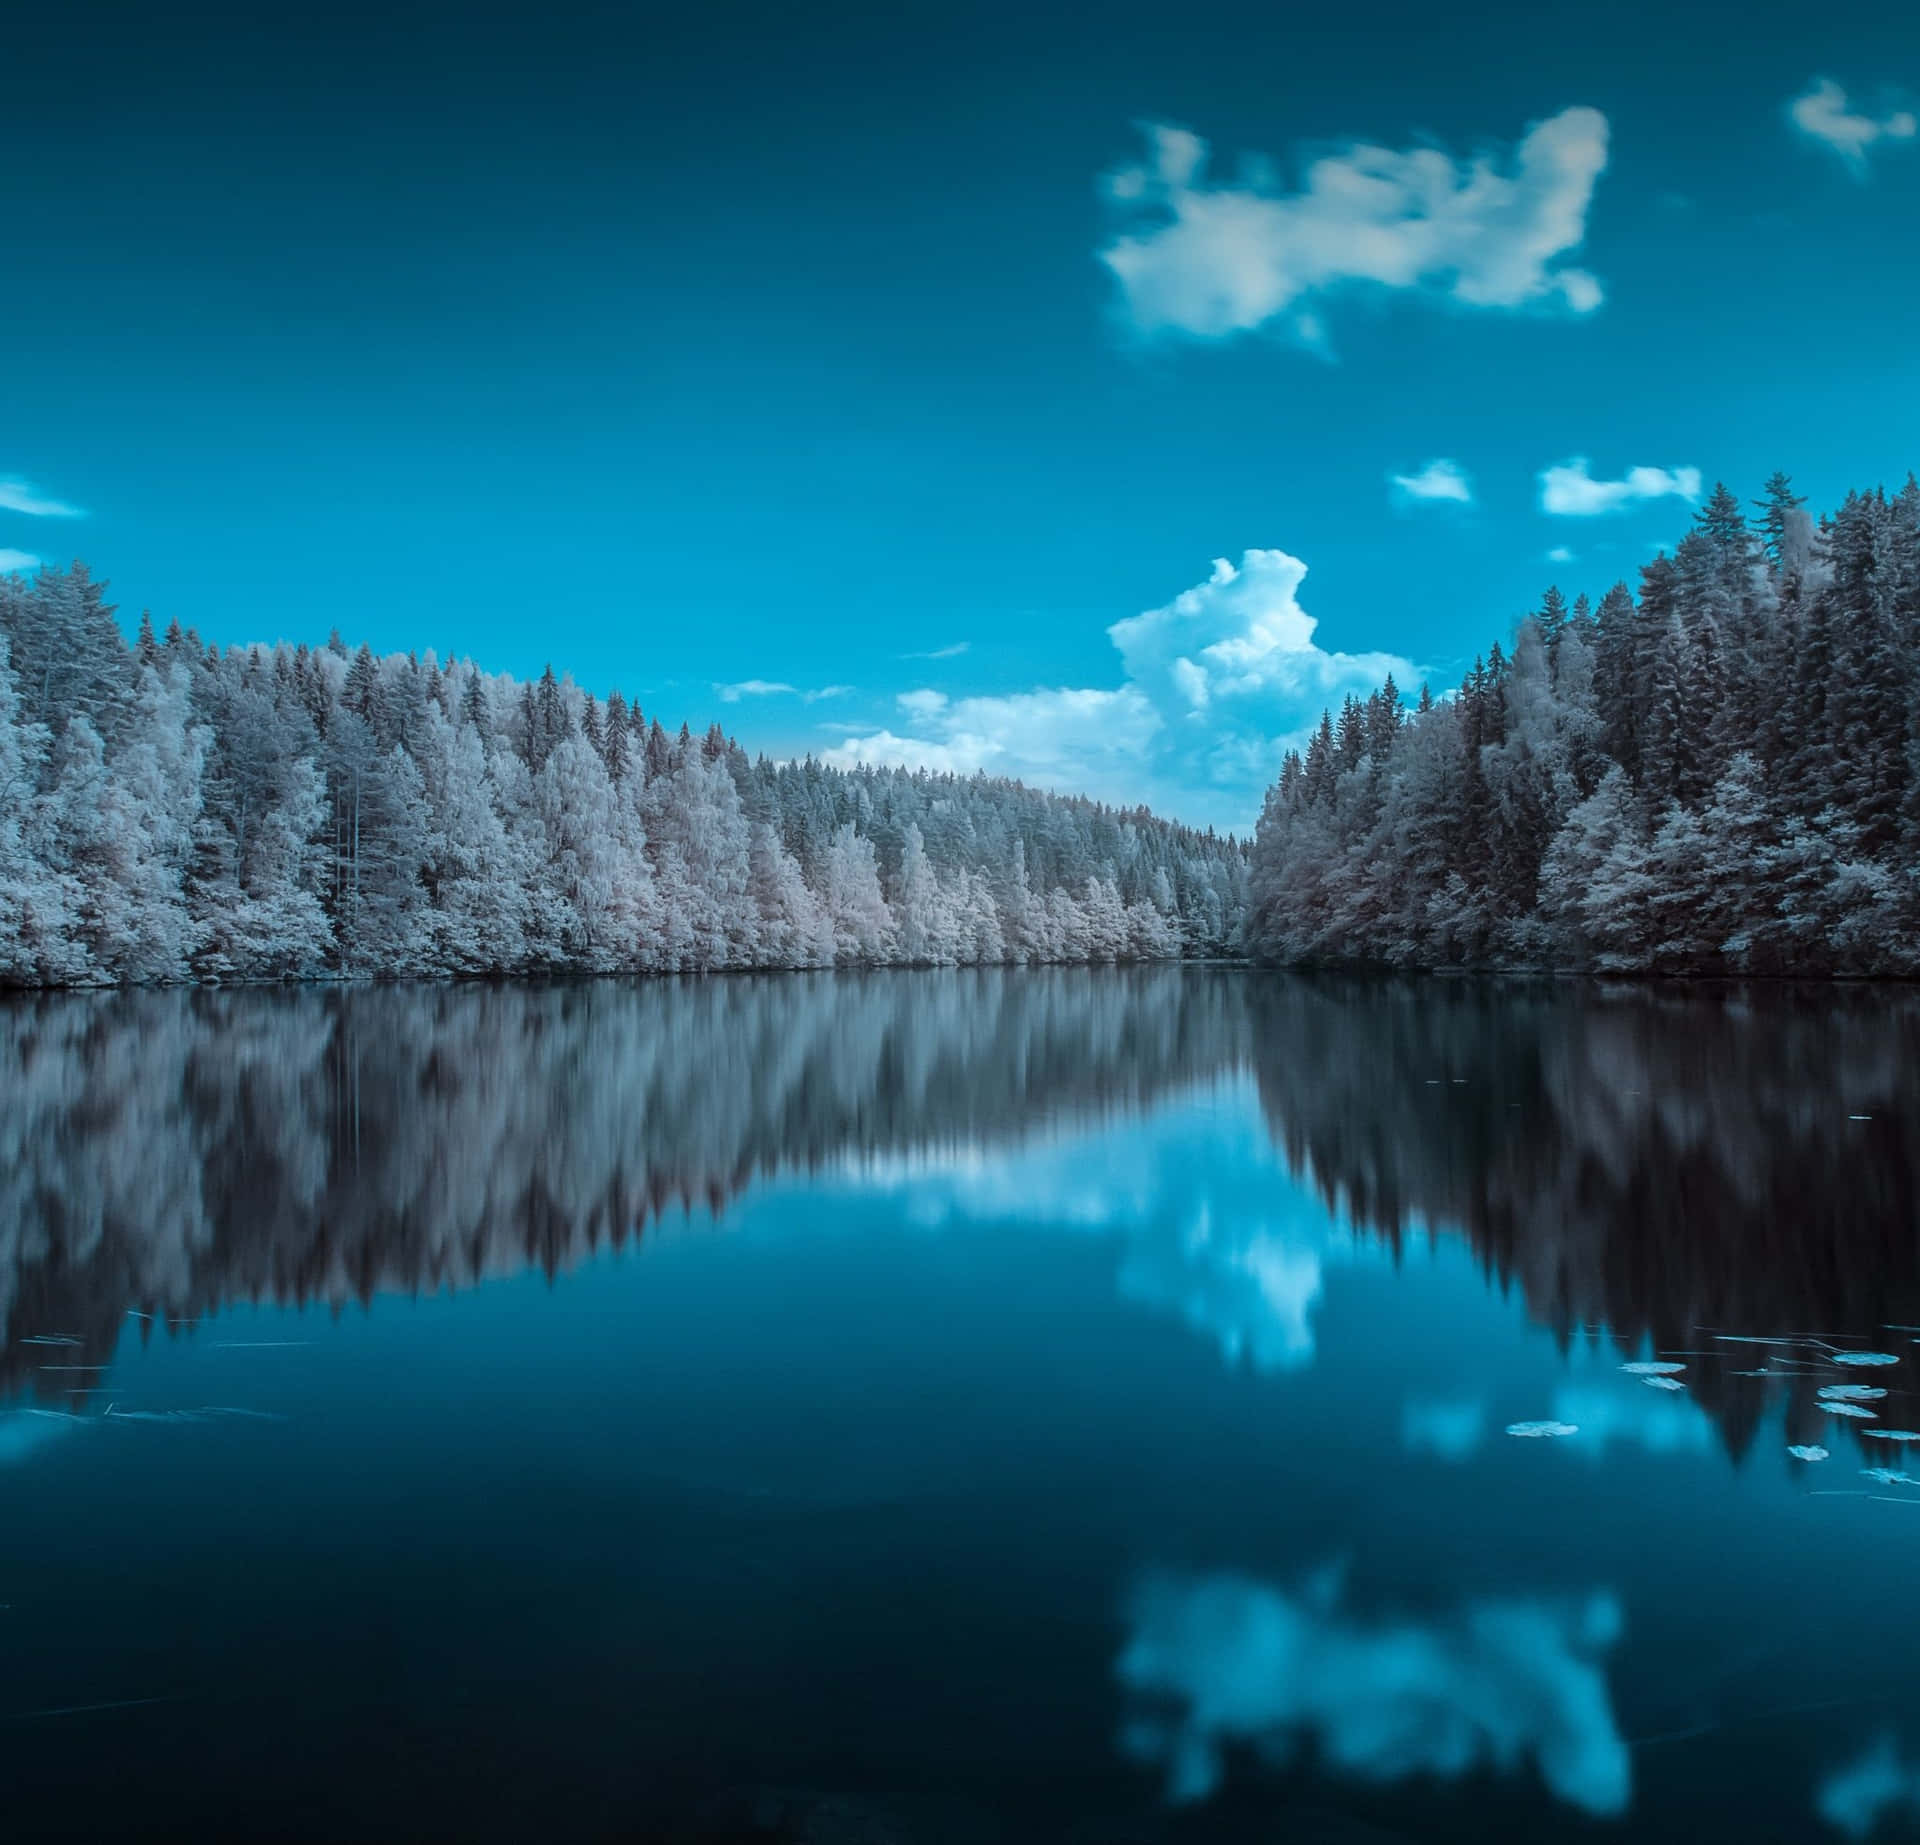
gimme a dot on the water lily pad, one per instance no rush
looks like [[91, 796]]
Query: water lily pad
[[1887, 1477], [1663, 1383], [1808, 1453], [1651, 1368], [1543, 1430], [1851, 1393], [1892, 1434], [1865, 1358], [1847, 1409]]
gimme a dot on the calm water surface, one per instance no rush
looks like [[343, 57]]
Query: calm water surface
[[960, 1407]]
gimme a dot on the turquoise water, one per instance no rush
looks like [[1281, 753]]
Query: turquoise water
[[954, 1406]]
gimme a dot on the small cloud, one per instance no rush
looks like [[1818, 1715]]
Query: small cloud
[[1823, 115], [19, 496], [775, 688], [1438, 480], [1208, 259], [923, 703], [751, 688], [1570, 490], [11, 561], [1559, 555], [940, 653]]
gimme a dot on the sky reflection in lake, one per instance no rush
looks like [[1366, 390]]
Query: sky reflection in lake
[[1056, 1405]]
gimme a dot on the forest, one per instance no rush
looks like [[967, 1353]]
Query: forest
[[171, 811], [1720, 775]]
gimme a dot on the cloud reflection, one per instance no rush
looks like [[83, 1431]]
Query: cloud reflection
[[1218, 1660], [1856, 1798], [1638, 1418], [1231, 1247], [1450, 1431], [1251, 1288], [24, 1432]]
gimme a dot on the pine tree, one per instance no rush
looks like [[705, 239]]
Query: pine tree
[[613, 742]]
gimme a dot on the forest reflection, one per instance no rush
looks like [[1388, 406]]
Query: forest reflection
[[1651, 1160]]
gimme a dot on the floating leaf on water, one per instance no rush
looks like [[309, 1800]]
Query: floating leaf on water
[[1663, 1383], [1537, 1430], [1887, 1477], [1651, 1368], [1808, 1453], [1851, 1393], [1892, 1434], [1865, 1358], [1847, 1409]]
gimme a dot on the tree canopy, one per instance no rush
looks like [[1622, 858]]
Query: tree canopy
[[170, 811], [1720, 775]]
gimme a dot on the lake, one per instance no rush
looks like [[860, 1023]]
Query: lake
[[958, 1406]]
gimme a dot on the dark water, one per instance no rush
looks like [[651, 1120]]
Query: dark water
[[954, 1407]]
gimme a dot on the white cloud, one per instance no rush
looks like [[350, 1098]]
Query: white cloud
[[1211, 260], [1072, 739], [923, 703], [775, 688], [1438, 480], [1217, 685], [19, 496], [16, 560], [1569, 489], [1559, 555], [1823, 115], [1490, 1687], [884, 749], [940, 653]]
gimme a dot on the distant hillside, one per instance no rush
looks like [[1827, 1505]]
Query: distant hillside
[[172, 812]]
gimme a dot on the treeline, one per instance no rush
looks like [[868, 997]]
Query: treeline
[[170, 811], [1721, 774]]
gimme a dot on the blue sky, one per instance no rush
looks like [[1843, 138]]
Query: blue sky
[[894, 355]]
